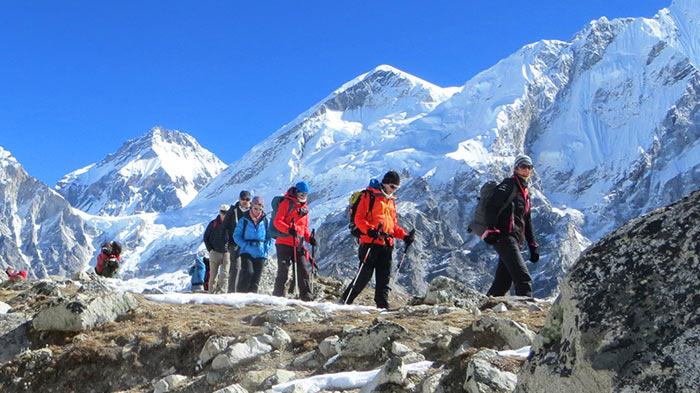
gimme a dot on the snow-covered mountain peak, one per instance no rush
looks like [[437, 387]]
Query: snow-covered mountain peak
[[159, 171], [6, 157]]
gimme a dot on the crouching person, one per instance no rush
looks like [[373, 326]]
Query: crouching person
[[251, 235], [198, 272], [108, 260]]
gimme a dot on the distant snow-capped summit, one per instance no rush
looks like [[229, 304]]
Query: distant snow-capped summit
[[159, 171]]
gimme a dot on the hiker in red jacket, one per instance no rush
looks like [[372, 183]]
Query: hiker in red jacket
[[21, 275], [290, 248]]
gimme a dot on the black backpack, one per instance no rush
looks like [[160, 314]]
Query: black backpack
[[478, 225], [273, 232], [352, 208]]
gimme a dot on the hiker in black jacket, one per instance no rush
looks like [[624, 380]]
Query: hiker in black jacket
[[216, 240], [507, 230], [233, 215]]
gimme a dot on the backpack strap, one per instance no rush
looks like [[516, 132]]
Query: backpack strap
[[508, 201], [245, 224]]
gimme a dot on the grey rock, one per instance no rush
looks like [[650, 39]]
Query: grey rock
[[370, 340], [235, 388], [80, 275], [278, 338], [431, 384], [286, 315], [308, 360], [483, 376], [236, 353], [500, 307], [499, 333], [168, 383], [214, 346], [627, 316], [446, 290], [13, 339], [252, 380], [393, 372], [327, 347], [280, 376], [81, 312]]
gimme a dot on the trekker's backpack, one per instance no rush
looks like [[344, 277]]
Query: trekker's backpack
[[352, 208], [110, 266], [273, 231], [479, 225]]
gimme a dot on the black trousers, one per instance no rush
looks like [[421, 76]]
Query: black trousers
[[250, 273], [285, 258], [234, 268], [511, 269], [378, 262]]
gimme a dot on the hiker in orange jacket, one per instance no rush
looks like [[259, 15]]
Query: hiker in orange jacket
[[379, 228]]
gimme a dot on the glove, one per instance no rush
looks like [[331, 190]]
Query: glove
[[534, 253], [373, 233], [491, 236], [292, 231], [312, 240], [408, 239]]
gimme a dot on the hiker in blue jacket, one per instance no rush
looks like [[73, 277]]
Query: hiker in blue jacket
[[198, 271], [252, 237]]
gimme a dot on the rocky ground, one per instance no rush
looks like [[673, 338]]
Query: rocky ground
[[153, 346]]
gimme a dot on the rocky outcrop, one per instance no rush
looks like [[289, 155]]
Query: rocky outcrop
[[446, 290], [628, 317], [82, 312]]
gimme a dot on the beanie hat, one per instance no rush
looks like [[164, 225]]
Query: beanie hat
[[302, 186], [391, 177], [522, 159], [244, 194], [223, 208], [258, 200]]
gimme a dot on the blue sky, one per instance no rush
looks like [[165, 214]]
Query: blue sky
[[79, 78]]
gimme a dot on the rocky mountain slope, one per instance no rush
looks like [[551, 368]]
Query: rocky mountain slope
[[39, 230], [160, 171]]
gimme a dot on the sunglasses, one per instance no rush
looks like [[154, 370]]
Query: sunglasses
[[525, 166], [393, 186], [245, 199], [257, 208]]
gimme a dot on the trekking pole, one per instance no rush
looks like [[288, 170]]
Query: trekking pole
[[403, 257], [313, 260], [362, 264], [294, 261]]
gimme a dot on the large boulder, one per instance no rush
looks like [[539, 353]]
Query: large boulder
[[13, 339], [489, 373], [446, 290], [371, 340], [82, 312], [499, 333], [628, 316]]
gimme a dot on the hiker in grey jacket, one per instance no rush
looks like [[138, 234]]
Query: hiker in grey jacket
[[233, 216]]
